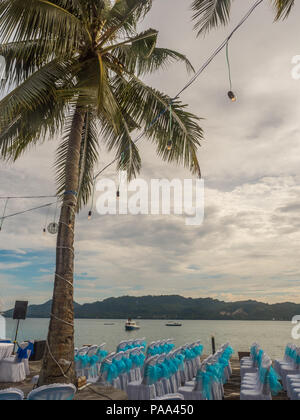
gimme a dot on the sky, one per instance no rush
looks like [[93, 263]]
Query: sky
[[248, 245]]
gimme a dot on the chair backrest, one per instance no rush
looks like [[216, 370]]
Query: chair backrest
[[171, 397], [121, 346], [11, 394], [83, 350], [118, 356], [150, 363], [92, 350], [53, 392]]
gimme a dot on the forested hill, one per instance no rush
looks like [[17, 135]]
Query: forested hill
[[173, 307]]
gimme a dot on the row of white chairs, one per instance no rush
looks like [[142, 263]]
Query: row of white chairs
[[175, 375], [120, 369], [211, 376], [132, 344], [289, 371], [88, 361], [153, 377], [259, 381], [160, 347]]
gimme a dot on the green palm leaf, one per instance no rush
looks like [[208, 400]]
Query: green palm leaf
[[210, 14]]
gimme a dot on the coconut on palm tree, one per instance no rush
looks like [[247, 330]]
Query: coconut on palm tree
[[213, 13], [74, 72]]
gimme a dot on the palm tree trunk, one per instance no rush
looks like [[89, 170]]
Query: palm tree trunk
[[58, 362]]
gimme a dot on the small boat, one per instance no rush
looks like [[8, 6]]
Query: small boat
[[131, 325], [173, 324]]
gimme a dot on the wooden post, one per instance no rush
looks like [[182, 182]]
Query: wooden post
[[213, 344]]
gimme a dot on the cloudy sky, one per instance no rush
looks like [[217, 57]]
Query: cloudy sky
[[248, 245]]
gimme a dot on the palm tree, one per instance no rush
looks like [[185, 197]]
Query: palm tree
[[74, 70], [212, 13]]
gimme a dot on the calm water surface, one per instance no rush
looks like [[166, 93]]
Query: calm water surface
[[273, 336]]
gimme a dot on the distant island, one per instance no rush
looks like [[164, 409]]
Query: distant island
[[173, 307]]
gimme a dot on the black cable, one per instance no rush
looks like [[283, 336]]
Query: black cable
[[27, 211]]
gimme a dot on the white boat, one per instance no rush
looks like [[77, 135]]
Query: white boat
[[131, 325]]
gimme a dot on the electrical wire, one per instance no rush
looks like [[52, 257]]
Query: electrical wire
[[229, 67], [27, 211], [28, 197]]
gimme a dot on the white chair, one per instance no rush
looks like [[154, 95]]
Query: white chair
[[162, 385], [135, 373], [23, 346], [122, 380], [291, 368], [55, 392], [193, 391], [255, 386], [145, 389], [107, 373], [11, 394], [91, 371], [79, 366], [292, 385]]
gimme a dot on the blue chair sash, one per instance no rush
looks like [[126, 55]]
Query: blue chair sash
[[206, 379], [23, 353], [112, 371]]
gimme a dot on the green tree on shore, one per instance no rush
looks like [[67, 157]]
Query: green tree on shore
[[74, 72]]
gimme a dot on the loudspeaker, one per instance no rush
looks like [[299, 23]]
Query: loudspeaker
[[20, 311]]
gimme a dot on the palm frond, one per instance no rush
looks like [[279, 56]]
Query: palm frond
[[32, 126], [24, 58], [283, 8], [135, 61], [210, 14], [41, 20], [123, 17], [145, 105], [34, 91]]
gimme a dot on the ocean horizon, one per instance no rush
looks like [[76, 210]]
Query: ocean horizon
[[273, 336]]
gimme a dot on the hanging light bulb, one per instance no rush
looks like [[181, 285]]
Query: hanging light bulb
[[44, 231], [90, 215], [232, 96], [169, 145], [118, 193]]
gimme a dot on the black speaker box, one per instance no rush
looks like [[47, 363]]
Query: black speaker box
[[38, 351], [20, 311]]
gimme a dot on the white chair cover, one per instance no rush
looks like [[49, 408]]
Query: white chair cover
[[53, 392], [11, 394]]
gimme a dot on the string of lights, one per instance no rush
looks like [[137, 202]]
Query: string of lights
[[231, 95]]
